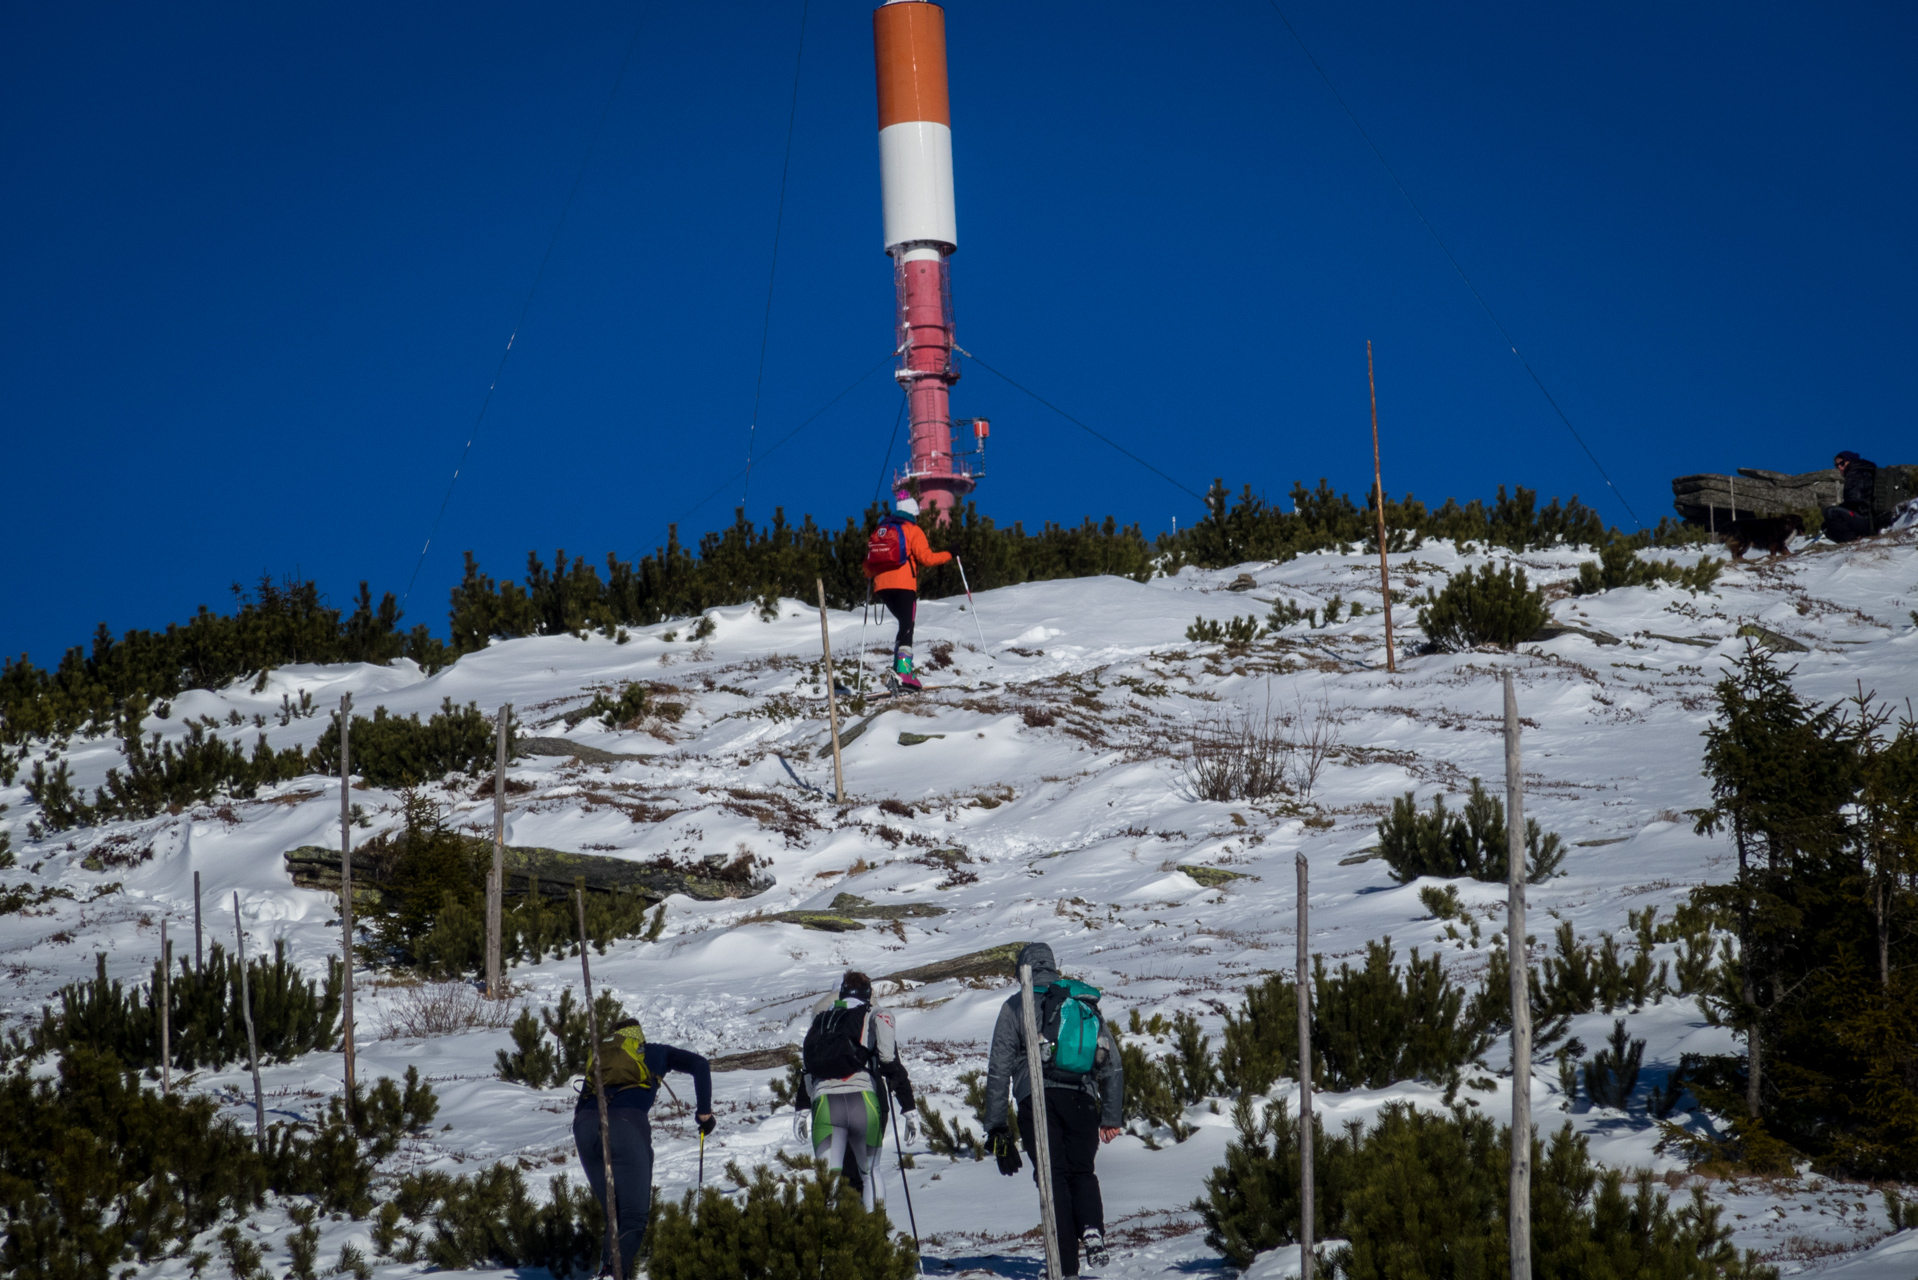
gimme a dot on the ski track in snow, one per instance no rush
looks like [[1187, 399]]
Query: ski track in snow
[[1082, 851]]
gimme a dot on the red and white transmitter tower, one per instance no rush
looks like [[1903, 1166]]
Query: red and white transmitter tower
[[915, 177]]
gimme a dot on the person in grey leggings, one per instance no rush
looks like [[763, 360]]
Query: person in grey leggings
[[847, 1114]]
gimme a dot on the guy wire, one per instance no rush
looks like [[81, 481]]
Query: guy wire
[[1449, 257], [779, 221], [527, 306]]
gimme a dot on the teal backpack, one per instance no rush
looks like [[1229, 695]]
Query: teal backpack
[[1068, 1017]]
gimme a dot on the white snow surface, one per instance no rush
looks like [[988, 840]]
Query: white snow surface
[[1075, 830]]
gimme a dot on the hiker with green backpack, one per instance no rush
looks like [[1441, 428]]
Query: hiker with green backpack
[[1085, 1092], [634, 1068]]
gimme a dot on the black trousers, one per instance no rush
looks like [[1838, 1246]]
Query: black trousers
[[1072, 1133], [902, 603], [1842, 524], [631, 1131]]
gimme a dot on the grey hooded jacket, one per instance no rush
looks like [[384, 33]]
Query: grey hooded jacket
[[1006, 1068]]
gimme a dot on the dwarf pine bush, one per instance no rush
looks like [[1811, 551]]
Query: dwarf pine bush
[[292, 1014], [97, 1170], [400, 751], [786, 1225], [1618, 565], [1817, 802], [1489, 605], [1472, 842], [1612, 1076], [488, 1220], [1370, 1027], [536, 1062], [1425, 1195], [161, 776]]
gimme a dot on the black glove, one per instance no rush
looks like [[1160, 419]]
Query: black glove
[[1001, 1146], [707, 1123]]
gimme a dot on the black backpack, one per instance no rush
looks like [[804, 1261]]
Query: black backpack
[[833, 1050]]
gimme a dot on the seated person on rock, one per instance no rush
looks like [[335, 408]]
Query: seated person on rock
[[1851, 519]]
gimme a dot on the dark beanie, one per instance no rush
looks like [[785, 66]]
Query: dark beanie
[[1847, 456], [857, 985]]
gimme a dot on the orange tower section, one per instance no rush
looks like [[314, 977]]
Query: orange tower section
[[921, 234]]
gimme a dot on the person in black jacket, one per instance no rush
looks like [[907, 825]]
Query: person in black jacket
[[633, 1069], [1851, 519]]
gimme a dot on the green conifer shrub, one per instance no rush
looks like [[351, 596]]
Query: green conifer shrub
[[1488, 605], [488, 1220], [953, 1140], [1618, 565], [541, 1065], [276, 624], [1612, 1076], [96, 1170], [292, 1014], [788, 1225], [1151, 1093], [618, 712], [1423, 1195], [1237, 634], [1370, 1027], [1472, 842], [399, 751], [161, 776], [1823, 982]]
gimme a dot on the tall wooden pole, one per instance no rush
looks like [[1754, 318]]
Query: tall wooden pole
[[496, 877], [832, 699], [252, 1041], [166, 1000], [199, 963], [1378, 488], [1042, 1146], [1520, 1212], [599, 1085], [1305, 1086], [346, 887]]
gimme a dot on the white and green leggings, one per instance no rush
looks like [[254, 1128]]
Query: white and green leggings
[[855, 1123]]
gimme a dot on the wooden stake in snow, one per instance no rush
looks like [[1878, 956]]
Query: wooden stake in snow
[[1305, 1087], [1385, 572], [199, 965], [252, 1042], [496, 877], [599, 1084], [346, 888], [1042, 1154], [166, 999], [1520, 1212], [832, 699]]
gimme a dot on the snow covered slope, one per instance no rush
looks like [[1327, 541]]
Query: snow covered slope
[[1047, 756]]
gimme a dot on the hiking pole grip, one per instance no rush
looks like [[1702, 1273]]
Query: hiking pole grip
[[1041, 1144], [599, 1086]]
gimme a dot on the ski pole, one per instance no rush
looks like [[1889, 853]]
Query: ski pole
[[702, 1159], [905, 1183], [862, 638], [969, 600]]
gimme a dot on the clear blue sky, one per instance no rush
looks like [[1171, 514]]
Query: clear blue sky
[[260, 263]]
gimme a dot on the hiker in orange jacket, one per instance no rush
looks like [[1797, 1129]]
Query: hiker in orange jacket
[[898, 550]]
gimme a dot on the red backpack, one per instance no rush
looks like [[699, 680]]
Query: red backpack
[[887, 549]]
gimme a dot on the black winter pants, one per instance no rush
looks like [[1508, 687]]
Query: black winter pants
[[631, 1131], [1842, 524], [1072, 1132], [902, 604]]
